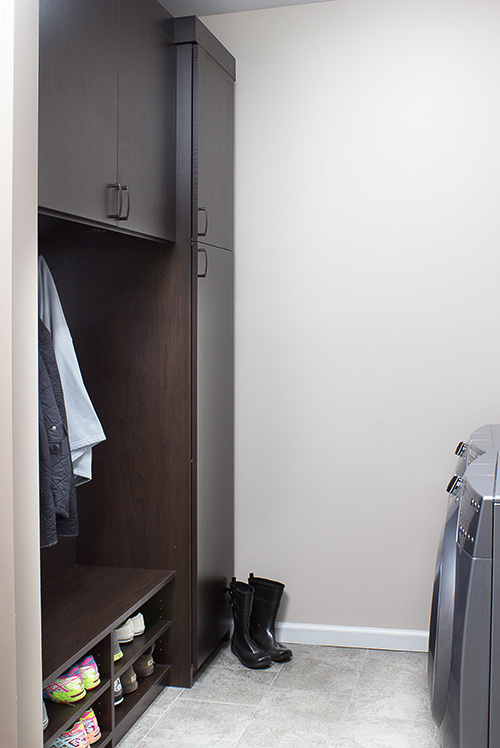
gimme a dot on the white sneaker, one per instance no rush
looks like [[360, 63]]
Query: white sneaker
[[45, 717], [138, 624], [117, 653], [118, 692], [125, 632]]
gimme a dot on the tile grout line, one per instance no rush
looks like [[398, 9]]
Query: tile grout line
[[257, 705], [212, 701], [158, 719], [217, 701], [354, 688]]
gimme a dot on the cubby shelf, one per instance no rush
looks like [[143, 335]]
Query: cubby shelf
[[134, 703], [81, 609], [136, 648], [87, 602]]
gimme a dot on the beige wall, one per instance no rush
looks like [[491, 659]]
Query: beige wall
[[8, 701], [367, 296], [20, 695]]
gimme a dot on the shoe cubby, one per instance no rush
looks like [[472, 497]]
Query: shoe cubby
[[134, 703], [63, 716], [81, 608]]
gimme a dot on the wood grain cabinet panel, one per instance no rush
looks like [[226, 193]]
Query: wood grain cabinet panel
[[214, 150], [107, 114], [206, 73], [78, 107], [146, 117]]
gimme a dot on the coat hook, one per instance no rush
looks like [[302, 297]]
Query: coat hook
[[59, 265]]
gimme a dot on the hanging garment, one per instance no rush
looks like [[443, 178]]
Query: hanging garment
[[84, 428], [58, 509]]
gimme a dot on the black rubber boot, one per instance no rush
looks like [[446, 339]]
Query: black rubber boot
[[266, 602], [245, 649]]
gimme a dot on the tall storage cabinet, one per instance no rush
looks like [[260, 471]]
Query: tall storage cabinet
[[205, 112], [150, 311]]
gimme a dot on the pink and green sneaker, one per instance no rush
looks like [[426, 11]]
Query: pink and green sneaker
[[90, 673], [89, 722], [67, 688], [74, 738]]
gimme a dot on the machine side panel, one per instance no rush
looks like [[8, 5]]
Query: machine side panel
[[465, 722], [495, 634]]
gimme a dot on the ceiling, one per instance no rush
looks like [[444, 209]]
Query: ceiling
[[213, 7]]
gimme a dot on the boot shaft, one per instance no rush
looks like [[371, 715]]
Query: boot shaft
[[241, 597], [266, 590]]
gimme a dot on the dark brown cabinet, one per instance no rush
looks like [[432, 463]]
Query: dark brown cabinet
[[107, 114], [214, 448], [78, 107], [214, 149], [205, 103]]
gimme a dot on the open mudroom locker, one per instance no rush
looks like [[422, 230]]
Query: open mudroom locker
[[136, 231]]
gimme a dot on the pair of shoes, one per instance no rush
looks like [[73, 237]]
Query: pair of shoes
[[145, 665], [76, 737], [133, 626], [255, 608], [84, 732], [142, 668], [129, 680], [89, 722], [74, 683]]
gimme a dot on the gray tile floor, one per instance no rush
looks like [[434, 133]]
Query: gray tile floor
[[325, 697]]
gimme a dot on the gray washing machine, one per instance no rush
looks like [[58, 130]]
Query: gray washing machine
[[483, 440], [470, 702]]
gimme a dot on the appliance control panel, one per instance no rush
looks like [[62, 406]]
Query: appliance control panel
[[482, 440], [475, 517]]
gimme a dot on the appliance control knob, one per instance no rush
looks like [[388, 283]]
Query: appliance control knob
[[461, 448], [454, 484]]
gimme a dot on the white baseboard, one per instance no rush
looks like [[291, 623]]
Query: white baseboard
[[407, 640]]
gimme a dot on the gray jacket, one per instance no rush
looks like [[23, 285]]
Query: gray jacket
[[58, 508]]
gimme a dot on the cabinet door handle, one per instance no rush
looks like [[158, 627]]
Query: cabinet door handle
[[117, 186], [205, 230], [124, 188], [121, 188], [205, 271]]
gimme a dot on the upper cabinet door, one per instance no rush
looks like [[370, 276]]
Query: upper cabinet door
[[78, 107], [213, 150], [146, 118]]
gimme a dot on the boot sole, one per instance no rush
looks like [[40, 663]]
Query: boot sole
[[287, 658], [257, 666], [130, 688]]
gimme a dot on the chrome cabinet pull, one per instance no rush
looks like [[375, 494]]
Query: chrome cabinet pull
[[125, 188], [205, 271], [121, 188], [204, 232], [117, 186]]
